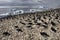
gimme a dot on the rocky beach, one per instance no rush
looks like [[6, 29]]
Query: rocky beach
[[43, 25]]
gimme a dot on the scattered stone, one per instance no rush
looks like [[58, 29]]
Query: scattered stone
[[22, 23], [44, 34], [38, 24], [44, 17], [30, 23], [29, 26], [16, 26], [45, 26], [35, 21], [46, 23], [53, 23], [39, 17], [6, 33], [19, 30], [42, 20], [54, 30]]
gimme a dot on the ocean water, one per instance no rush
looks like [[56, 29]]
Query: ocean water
[[14, 7]]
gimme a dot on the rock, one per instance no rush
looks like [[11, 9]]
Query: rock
[[31, 26]]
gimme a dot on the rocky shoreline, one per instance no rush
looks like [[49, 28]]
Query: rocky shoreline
[[31, 26]]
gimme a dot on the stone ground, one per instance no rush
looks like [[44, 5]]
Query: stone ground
[[32, 26]]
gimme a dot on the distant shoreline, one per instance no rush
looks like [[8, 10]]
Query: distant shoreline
[[18, 7]]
